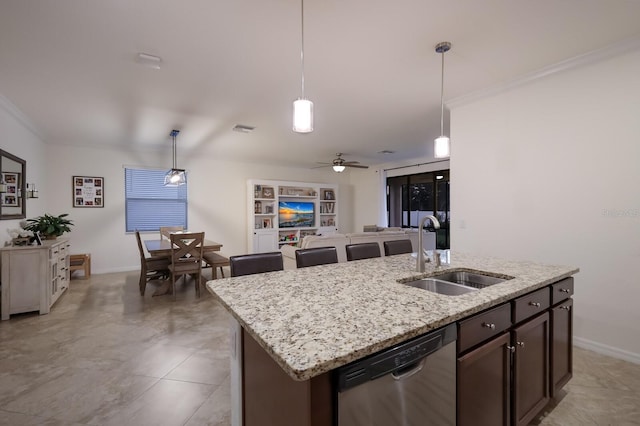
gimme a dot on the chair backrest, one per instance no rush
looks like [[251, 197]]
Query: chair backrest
[[140, 249], [186, 249], [316, 256], [362, 251], [247, 264], [165, 231], [397, 247]]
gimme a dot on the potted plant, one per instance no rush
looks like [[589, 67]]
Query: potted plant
[[49, 226]]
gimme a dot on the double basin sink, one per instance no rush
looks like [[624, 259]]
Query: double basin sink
[[454, 283]]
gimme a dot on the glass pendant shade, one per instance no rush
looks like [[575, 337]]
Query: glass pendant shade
[[303, 116], [175, 177], [338, 168], [441, 148]]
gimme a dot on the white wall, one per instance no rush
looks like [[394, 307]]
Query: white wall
[[549, 171], [217, 199], [18, 138]]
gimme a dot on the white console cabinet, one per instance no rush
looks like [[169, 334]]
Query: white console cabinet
[[33, 277], [269, 230]]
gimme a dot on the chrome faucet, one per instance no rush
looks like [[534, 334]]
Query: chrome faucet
[[420, 257]]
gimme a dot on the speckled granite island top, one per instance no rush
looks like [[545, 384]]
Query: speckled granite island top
[[313, 320]]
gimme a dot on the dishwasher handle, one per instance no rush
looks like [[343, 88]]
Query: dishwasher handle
[[408, 370]]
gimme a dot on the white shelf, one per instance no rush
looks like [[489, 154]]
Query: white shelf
[[263, 239]]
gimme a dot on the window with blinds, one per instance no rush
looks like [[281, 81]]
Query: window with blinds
[[149, 204]]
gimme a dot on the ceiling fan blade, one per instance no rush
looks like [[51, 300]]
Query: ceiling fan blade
[[357, 166], [348, 163], [321, 165]]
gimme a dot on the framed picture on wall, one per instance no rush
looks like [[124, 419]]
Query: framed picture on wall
[[11, 197], [88, 191]]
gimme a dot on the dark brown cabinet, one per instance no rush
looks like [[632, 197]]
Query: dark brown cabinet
[[561, 335], [514, 357], [483, 384], [530, 369]]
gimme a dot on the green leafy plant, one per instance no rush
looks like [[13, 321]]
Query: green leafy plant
[[49, 225]]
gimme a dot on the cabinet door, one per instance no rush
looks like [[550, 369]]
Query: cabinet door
[[561, 345], [531, 369], [265, 240], [483, 384]]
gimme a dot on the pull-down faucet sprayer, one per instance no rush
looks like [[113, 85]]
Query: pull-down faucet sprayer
[[420, 257]]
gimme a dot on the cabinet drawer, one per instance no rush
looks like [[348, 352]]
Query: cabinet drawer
[[530, 304], [561, 290], [483, 326]]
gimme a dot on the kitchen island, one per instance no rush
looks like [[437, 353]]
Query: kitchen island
[[311, 321]]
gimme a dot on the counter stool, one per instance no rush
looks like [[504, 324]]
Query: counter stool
[[397, 247], [316, 256], [362, 251], [247, 264]]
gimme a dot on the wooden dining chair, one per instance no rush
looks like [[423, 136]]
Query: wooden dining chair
[[165, 231], [186, 258], [151, 268], [362, 251], [247, 264], [316, 256], [397, 247]]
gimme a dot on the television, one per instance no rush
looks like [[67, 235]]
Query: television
[[295, 214]]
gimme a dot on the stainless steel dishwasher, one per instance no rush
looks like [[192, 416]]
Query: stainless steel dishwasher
[[411, 384]]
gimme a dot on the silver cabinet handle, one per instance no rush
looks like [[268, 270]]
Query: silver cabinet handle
[[489, 325], [521, 344], [564, 290], [536, 304], [512, 349], [568, 308]]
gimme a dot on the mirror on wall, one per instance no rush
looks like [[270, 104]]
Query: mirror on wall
[[12, 186]]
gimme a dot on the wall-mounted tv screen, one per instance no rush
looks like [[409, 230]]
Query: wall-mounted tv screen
[[296, 214]]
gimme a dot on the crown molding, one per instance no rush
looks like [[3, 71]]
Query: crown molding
[[8, 106], [588, 58]]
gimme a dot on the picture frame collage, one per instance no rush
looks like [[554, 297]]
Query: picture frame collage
[[88, 191], [12, 196]]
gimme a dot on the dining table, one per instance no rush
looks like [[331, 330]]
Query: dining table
[[162, 248]]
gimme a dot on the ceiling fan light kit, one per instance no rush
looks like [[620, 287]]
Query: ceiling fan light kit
[[302, 107], [175, 176], [442, 145]]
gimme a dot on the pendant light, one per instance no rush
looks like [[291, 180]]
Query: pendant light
[[442, 147], [175, 176], [302, 107]]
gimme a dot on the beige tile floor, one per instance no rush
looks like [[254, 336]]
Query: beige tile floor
[[107, 356]]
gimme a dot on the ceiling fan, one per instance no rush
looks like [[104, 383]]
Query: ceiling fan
[[339, 164]]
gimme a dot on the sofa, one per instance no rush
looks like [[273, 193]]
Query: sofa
[[340, 241]]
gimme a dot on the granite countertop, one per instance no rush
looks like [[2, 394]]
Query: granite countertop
[[313, 320]]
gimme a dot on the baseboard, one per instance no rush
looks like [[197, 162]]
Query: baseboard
[[606, 350]]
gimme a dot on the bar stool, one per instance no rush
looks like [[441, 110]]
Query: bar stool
[[397, 247], [362, 251], [247, 264], [316, 256]]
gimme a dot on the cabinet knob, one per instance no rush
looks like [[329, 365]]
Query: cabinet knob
[[564, 290], [521, 344], [512, 349], [567, 308], [535, 304], [489, 325]]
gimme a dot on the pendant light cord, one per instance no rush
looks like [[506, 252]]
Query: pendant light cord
[[174, 151], [302, 44], [442, 96]]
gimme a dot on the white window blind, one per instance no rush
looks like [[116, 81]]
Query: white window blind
[[149, 204]]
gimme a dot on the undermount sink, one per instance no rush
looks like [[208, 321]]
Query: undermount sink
[[470, 279], [440, 287], [454, 283]]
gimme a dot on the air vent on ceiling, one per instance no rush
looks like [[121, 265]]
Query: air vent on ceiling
[[386, 151], [243, 128]]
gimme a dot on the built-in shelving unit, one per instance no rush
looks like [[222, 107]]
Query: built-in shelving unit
[[284, 212]]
